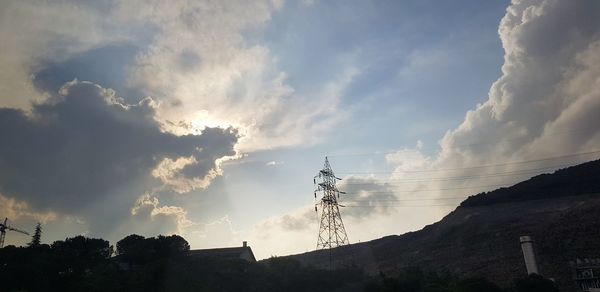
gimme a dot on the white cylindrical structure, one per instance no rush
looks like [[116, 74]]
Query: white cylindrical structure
[[529, 255]]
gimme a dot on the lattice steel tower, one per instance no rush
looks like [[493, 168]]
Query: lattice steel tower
[[331, 230], [3, 227]]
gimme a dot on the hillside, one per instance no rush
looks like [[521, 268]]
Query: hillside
[[481, 236], [571, 181]]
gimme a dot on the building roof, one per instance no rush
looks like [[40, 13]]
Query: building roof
[[243, 252]]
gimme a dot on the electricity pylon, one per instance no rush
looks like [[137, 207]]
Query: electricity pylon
[[331, 230]]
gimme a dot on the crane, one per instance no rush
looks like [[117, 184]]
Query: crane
[[3, 227]]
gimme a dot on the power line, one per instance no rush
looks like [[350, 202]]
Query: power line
[[400, 206], [405, 181], [449, 178], [406, 200], [484, 166], [427, 190], [453, 169], [445, 189]]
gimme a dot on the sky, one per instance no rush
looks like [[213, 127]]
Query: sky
[[209, 119]]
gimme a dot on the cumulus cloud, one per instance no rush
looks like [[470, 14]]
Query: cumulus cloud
[[198, 58], [550, 48], [545, 103], [207, 73], [273, 235], [408, 159], [89, 154], [366, 197], [163, 219], [16, 209], [85, 146]]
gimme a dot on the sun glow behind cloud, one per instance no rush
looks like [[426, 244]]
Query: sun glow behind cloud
[[267, 82]]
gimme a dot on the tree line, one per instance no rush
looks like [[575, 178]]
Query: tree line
[[162, 263]]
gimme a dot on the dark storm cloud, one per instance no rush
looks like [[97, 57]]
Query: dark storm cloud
[[107, 65], [366, 197], [86, 145]]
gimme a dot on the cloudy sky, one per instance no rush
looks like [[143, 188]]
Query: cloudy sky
[[209, 118]]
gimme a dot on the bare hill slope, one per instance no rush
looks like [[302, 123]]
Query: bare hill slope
[[481, 237]]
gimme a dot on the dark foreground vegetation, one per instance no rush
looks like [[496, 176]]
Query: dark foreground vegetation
[[162, 264], [416, 280]]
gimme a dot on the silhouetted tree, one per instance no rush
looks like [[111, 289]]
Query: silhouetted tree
[[136, 249], [133, 249], [37, 236], [174, 245], [129, 243], [84, 264], [78, 253]]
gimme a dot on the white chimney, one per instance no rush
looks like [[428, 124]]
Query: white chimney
[[529, 255]]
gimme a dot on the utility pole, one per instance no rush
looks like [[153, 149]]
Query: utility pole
[[331, 229]]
